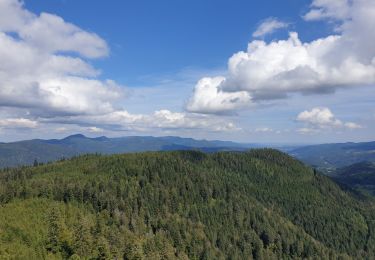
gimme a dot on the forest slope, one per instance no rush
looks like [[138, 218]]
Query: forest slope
[[260, 204]]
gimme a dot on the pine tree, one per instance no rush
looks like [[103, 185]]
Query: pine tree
[[54, 230]]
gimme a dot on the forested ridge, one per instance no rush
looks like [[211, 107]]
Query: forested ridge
[[24, 153], [260, 204]]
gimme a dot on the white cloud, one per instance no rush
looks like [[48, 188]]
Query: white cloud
[[18, 123], [329, 9], [168, 119], [38, 70], [322, 118], [306, 130], [94, 129], [209, 98], [122, 120], [12, 15], [45, 76], [48, 32], [269, 26], [276, 69], [352, 125]]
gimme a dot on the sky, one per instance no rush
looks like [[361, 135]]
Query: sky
[[293, 71]]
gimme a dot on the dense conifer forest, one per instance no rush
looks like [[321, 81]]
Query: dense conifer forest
[[260, 204]]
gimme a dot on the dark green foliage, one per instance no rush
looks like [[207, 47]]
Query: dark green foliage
[[358, 176], [260, 204]]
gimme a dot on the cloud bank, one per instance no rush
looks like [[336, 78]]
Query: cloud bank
[[46, 78], [277, 69], [122, 120], [18, 123]]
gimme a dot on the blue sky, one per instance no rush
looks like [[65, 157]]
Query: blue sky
[[184, 68], [157, 38]]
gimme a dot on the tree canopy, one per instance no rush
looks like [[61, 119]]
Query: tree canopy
[[260, 204]]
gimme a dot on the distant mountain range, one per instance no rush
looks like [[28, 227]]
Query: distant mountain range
[[325, 157], [26, 152], [329, 157]]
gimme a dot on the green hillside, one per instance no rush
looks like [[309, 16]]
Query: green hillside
[[260, 204], [359, 176]]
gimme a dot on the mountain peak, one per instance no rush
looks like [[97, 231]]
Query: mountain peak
[[76, 136]]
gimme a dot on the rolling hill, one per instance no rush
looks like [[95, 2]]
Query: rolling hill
[[26, 152], [328, 157], [260, 204], [359, 176], [325, 157]]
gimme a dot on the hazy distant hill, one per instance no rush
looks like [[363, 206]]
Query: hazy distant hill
[[326, 157], [360, 176], [332, 156], [260, 204], [25, 152]]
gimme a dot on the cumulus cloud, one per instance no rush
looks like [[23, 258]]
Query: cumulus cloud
[[269, 26], [43, 65], [279, 68], [46, 77], [48, 32], [209, 98], [322, 118]]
